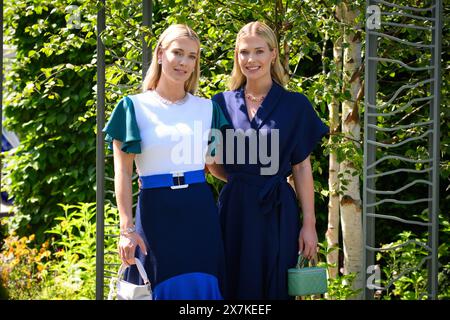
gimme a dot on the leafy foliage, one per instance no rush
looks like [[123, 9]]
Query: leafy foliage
[[63, 267], [22, 266], [404, 268]]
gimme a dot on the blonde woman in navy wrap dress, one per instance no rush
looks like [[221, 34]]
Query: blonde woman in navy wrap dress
[[258, 208], [164, 130]]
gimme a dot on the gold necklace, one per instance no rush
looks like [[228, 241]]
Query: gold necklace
[[252, 98]]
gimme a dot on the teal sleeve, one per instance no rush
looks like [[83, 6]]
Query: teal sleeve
[[122, 126], [219, 121], [218, 125]]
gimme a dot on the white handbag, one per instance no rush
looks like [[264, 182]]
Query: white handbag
[[129, 291]]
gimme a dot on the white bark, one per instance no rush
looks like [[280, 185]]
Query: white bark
[[332, 234], [350, 201]]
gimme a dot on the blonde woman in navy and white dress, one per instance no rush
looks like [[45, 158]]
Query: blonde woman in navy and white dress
[[176, 230]]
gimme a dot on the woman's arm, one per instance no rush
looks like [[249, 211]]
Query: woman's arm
[[123, 170], [304, 186]]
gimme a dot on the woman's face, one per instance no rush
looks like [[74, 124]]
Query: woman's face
[[179, 59], [255, 57]]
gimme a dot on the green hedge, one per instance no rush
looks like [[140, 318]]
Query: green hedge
[[49, 103]]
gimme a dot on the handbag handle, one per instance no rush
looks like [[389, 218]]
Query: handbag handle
[[302, 261], [120, 273], [141, 270]]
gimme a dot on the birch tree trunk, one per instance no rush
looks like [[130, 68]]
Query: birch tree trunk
[[332, 234], [350, 201]]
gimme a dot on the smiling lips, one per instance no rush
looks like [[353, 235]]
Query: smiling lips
[[253, 68], [180, 71]]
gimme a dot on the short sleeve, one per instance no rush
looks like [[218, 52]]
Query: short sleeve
[[218, 124], [219, 121], [309, 132], [122, 126]]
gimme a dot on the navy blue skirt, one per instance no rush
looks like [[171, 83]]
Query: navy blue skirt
[[185, 251], [261, 224]]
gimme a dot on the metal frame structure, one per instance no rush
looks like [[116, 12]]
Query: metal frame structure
[[100, 158], [373, 109], [1, 65]]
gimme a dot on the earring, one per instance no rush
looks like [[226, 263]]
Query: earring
[[159, 61]]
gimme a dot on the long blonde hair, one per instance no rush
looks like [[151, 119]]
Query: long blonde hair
[[172, 33], [264, 31]]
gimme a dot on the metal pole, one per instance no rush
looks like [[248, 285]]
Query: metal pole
[[433, 212], [1, 65], [100, 160], [147, 7], [370, 87]]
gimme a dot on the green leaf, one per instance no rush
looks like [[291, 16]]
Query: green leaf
[[61, 118]]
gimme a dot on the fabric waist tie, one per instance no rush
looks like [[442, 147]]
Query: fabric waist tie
[[175, 180], [269, 194]]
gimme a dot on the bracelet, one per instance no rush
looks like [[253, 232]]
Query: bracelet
[[127, 231]]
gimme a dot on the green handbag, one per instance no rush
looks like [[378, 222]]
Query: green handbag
[[304, 280]]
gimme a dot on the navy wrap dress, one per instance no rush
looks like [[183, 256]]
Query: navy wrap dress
[[259, 212]]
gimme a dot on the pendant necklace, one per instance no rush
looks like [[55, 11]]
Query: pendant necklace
[[252, 98]]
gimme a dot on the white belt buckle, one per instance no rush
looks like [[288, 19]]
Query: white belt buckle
[[176, 180]]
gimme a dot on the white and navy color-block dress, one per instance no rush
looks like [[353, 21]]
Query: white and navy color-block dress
[[179, 224]]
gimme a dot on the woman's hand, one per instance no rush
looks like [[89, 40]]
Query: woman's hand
[[127, 247], [307, 241], [217, 170], [304, 185]]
